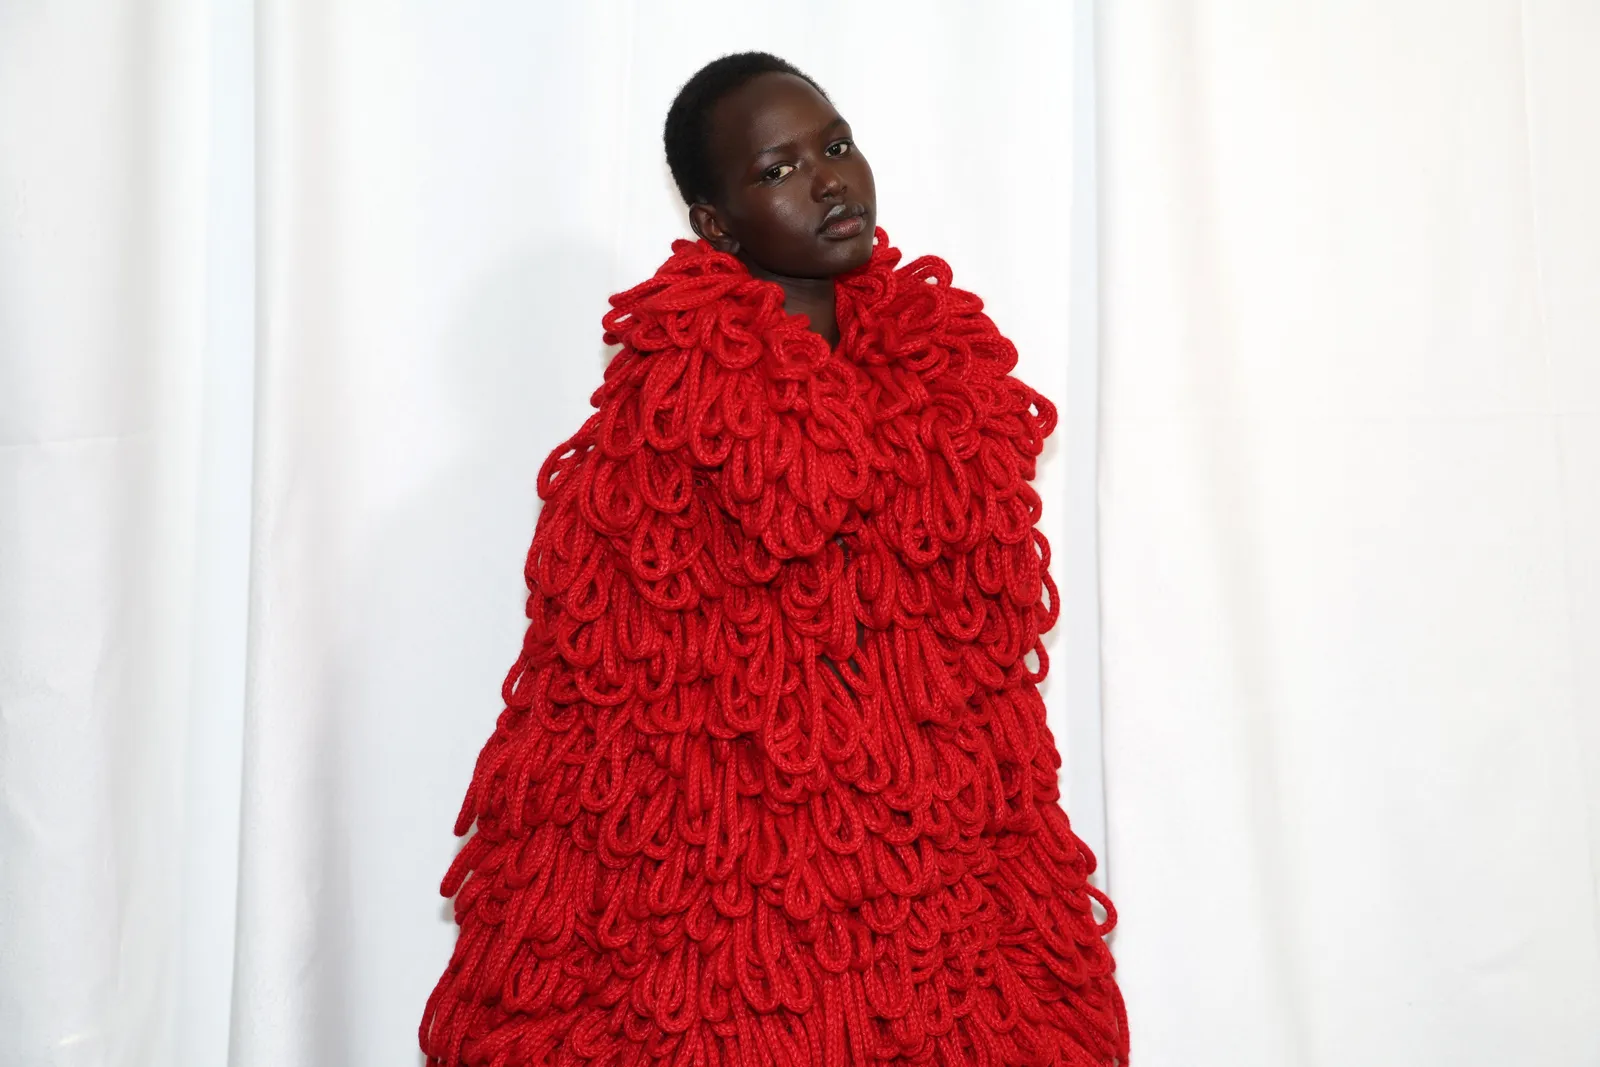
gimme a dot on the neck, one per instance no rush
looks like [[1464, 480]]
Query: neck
[[812, 297]]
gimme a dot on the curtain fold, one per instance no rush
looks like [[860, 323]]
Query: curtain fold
[[103, 312], [1349, 509]]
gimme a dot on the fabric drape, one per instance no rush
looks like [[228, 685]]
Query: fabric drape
[[1350, 521]]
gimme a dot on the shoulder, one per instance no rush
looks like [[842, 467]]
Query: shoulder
[[926, 323]]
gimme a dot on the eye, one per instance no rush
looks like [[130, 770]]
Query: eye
[[841, 147], [776, 172]]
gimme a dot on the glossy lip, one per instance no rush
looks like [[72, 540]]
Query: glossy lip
[[845, 229], [839, 213]]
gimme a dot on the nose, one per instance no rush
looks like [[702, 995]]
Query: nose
[[828, 184]]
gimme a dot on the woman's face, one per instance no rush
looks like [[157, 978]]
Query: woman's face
[[796, 197]]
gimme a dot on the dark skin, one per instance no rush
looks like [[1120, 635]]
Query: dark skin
[[795, 200], [786, 167]]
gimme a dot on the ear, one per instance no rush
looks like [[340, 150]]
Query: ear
[[707, 223]]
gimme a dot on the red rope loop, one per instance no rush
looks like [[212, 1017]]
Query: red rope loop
[[773, 783]]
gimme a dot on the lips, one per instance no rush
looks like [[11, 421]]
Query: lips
[[843, 220]]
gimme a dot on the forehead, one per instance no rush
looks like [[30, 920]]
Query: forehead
[[767, 111]]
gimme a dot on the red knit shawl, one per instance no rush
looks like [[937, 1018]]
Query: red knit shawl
[[773, 783]]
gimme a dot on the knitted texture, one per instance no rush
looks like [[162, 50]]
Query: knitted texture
[[773, 783]]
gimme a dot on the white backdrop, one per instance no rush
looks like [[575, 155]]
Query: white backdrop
[[1350, 529], [294, 299], [295, 296]]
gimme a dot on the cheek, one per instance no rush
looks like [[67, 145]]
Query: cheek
[[789, 215], [860, 175]]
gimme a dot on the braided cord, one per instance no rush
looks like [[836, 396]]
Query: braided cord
[[773, 783]]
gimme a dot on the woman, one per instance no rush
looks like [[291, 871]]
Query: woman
[[773, 783]]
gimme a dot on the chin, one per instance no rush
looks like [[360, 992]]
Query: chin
[[861, 252], [814, 256], [848, 255]]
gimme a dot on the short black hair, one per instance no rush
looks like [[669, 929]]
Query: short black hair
[[688, 129]]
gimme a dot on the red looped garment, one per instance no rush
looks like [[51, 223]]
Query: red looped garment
[[773, 784]]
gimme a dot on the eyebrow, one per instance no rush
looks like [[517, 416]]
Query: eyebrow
[[838, 121]]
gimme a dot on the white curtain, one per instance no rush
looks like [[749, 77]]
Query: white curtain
[[1350, 529], [295, 296]]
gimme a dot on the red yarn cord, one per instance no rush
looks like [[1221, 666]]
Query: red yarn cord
[[773, 783]]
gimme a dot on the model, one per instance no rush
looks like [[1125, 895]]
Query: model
[[773, 783]]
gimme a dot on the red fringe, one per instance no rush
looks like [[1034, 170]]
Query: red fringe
[[773, 783]]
